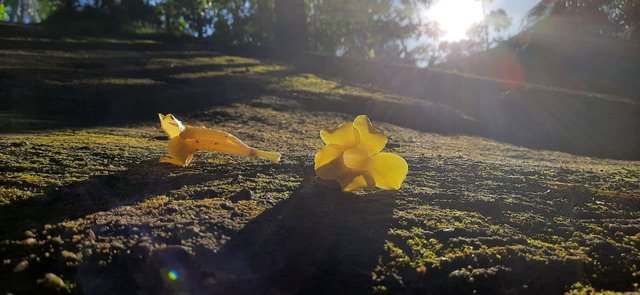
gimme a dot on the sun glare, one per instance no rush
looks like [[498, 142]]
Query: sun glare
[[455, 17]]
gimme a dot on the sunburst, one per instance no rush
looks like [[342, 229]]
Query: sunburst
[[455, 17]]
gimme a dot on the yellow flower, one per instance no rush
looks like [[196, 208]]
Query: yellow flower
[[186, 140], [353, 157]]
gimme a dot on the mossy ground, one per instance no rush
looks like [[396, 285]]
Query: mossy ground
[[83, 196]]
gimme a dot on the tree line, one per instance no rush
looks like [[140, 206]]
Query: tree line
[[386, 30], [615, 18]]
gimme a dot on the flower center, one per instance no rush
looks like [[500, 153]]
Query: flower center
[[356, 158]]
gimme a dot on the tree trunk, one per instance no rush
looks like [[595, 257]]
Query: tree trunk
[[265, 18], [23, 11], [290, 28], [14, 13]]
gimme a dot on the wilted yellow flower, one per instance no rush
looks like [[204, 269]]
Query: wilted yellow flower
[[186, 140], [353, 157]]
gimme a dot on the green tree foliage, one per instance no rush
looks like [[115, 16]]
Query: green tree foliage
[[232, 21], [626, 13], [3, 12], [387, 30], [620, 18], [380, 29], [23, 11], [480, 34]]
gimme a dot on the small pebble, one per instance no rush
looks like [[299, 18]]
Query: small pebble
[[22, 265], [69, 255], [29, 242], [226, 206], [57, 240], [242, 195], [91, 235], [144, 249], [52, 282]]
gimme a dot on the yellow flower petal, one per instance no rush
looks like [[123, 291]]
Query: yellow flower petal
[[345, 135], [352, 157], [186, 140], [388, 170], [356, 158], [371, 139], [170, 125], [350, 183], [212, 140], [180, 152], [328, 162]]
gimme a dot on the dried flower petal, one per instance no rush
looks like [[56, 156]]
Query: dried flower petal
[[187, 140]]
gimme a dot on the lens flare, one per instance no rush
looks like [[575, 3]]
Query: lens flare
[[173, 275], [455, 17]]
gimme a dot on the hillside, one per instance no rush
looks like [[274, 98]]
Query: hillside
[[549, 88], [562, 52], [568, 56], [84, 199]]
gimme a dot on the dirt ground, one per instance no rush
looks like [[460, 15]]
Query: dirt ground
[[83, 197]]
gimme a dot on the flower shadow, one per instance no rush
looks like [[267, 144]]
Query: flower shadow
[[319, 241]]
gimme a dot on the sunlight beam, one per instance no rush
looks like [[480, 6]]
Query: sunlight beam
[[455, 17]]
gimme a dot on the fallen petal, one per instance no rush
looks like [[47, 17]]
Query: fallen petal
[[171, 125]]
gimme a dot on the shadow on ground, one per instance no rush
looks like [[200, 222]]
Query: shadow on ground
[[52, 82], [98, 193], [318, 241]]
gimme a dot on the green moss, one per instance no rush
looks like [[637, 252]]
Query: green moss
[[380, 290], [248, 70], [9, 195], [27, 179], [426, 252], [314, 84], [309, 82], [585, 289], [221, 60]]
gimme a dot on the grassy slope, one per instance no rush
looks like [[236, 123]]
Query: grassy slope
[[514, 108], [578, 90], [82, 194], [560, 51]]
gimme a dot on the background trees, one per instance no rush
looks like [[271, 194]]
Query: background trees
[[387, 30], [383, 29], [618, 18]]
